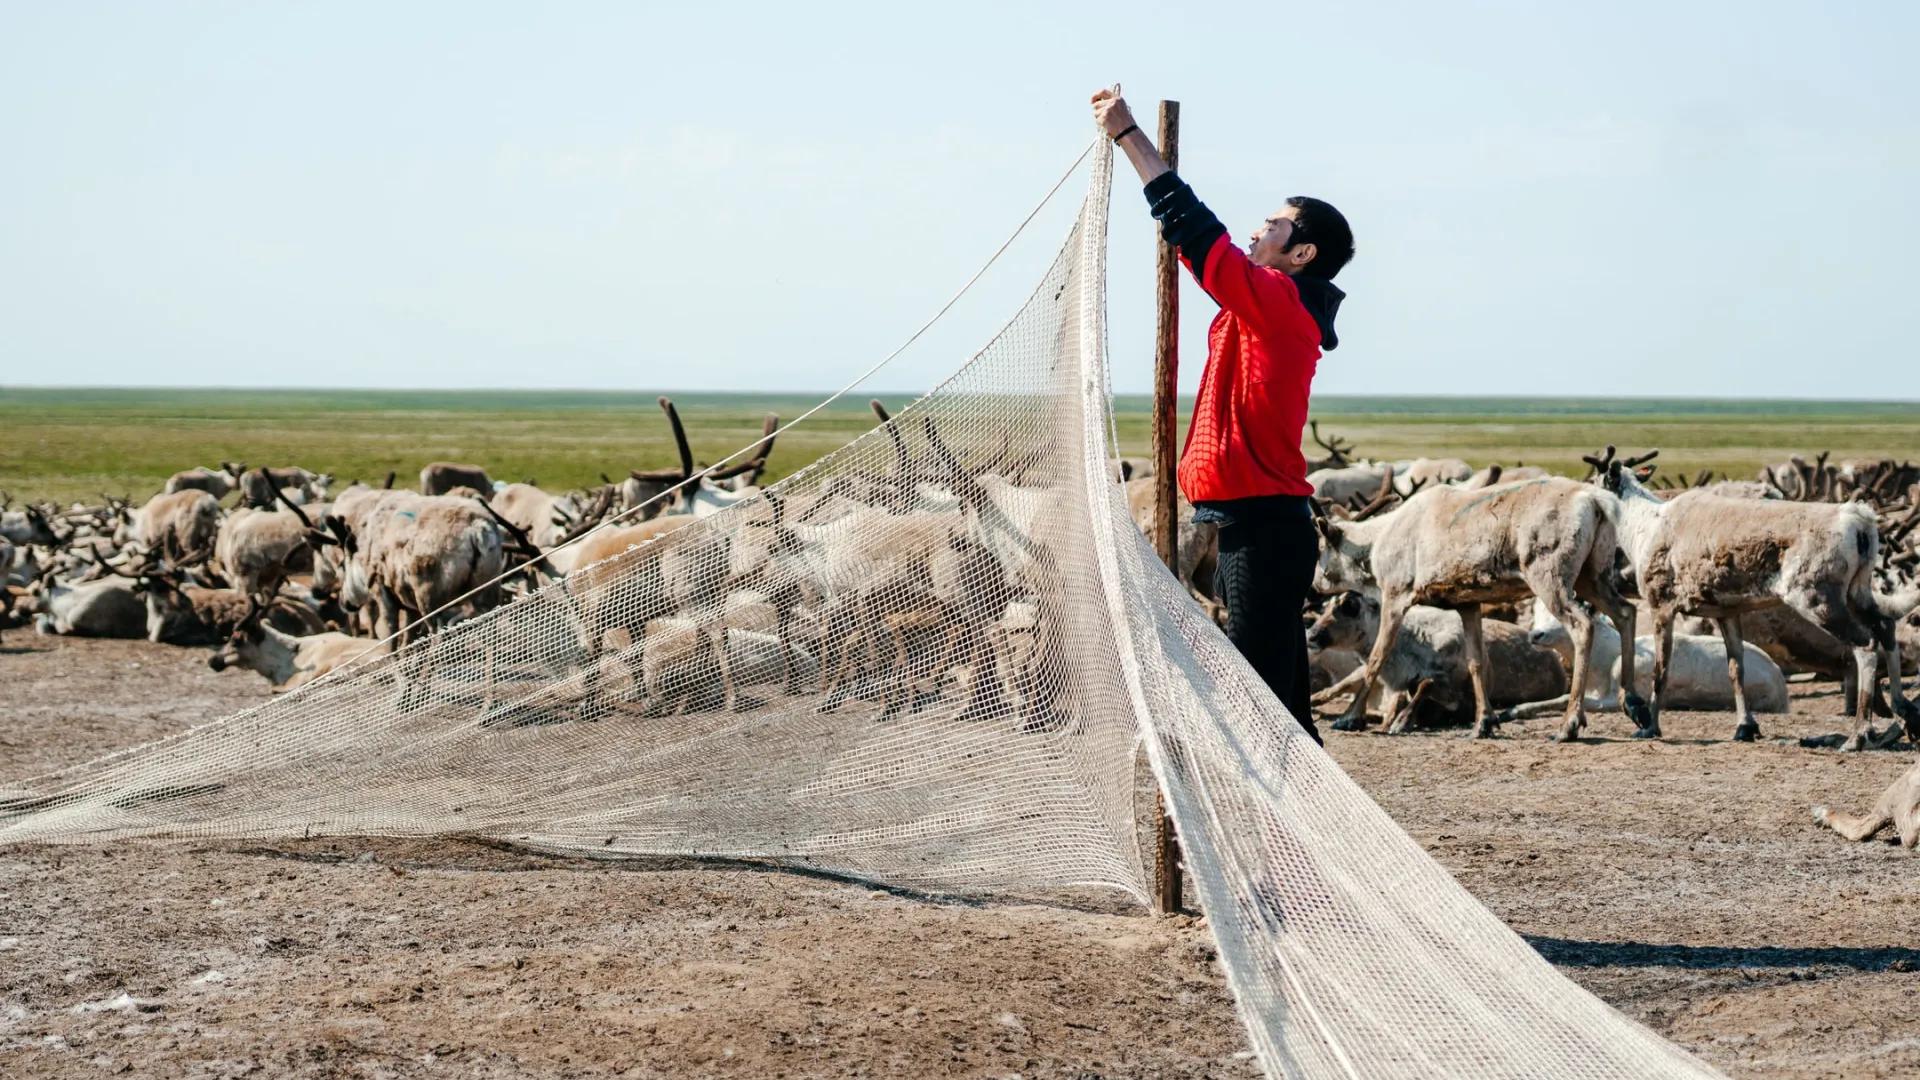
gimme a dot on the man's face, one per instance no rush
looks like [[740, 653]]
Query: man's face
[[1268, 245]]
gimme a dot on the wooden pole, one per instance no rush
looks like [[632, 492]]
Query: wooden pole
[[1166, 491]]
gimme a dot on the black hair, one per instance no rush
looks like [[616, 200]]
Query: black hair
[[1316, 222]]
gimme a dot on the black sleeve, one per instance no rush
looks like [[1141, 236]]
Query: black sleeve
[[1185, 221]]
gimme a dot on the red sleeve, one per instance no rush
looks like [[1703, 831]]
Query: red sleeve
[[1265, 299]]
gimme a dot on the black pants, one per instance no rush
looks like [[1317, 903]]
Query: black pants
[[1268, 548]]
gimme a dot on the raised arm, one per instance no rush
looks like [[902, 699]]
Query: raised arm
[[1111, 113]]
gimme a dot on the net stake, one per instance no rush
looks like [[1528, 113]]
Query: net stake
[[1166, 492]]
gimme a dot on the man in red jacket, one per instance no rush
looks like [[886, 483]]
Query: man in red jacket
[[1242, 467]]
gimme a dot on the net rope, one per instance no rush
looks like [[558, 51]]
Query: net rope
[[927, 660]]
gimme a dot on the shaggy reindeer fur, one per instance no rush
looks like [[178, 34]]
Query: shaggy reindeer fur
[[179, 526], [1460, 548], [1898, 806], [416, 553], [1719, 557], [257, 549]]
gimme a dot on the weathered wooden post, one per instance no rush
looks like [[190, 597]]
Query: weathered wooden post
[[1166, 491]]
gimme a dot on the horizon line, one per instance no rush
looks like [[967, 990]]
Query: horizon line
[[6, 388]]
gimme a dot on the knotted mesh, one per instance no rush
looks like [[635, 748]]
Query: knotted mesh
[[926, 660]]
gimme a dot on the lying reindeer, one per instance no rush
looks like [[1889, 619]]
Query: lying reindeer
[[1696, 673], [1899, 806], [287, 661], [1426, 677]]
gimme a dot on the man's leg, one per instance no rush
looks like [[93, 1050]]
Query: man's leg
[[1294, 555], [1260, 578]]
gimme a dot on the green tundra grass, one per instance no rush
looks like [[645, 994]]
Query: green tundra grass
[[72, 444]]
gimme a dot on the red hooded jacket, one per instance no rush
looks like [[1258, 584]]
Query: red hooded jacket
[[1262, 352]]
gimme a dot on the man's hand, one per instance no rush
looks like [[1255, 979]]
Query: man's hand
[[1111, 113]]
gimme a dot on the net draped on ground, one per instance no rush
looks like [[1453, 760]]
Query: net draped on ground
[[943, 645]]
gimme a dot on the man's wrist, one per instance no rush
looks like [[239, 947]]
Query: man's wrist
[[1126, 131]]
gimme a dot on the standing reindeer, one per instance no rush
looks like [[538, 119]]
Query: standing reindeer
[[1705, 554], [1459, 548]]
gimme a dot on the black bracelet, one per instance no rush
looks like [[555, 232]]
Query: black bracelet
[[1131, 128]]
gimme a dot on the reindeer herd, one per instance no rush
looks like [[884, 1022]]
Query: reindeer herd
[[1811, 568], [296, 578], [1445, 594]]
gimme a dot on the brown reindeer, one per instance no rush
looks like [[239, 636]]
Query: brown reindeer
[[1460, 548], [1718, 557]]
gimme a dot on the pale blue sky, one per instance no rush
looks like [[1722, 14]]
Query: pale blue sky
[[1658, 198]]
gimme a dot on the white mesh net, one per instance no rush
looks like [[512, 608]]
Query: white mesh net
[[926, 660]]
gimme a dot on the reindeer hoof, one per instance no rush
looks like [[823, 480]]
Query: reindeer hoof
[[1350, 723], [1641, 713], [1651, 731], [1820, 815], [1571, 732], [1746, 732], [1483, 729]]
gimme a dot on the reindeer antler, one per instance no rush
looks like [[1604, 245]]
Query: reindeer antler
[[1636, 462], [1337, 450], [679, 437], [281, 497], [1598, 462], [756, 461], [527, 547], [1384, 499]]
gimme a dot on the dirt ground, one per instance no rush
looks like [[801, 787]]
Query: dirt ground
[[1682, 881]]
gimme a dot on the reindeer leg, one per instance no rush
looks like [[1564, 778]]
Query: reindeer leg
[[1603, 591], [1903, 708], [1748, 729], [1396, 707], [416, 677], [1662, 658], [1393, 612], [1854, 827], [836, 683], [1866, 681], [1477, 664], [1559, 592], [789, 674], [1398, 710], [723, 660]]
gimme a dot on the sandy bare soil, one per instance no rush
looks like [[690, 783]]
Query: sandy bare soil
[[1683, 881]]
